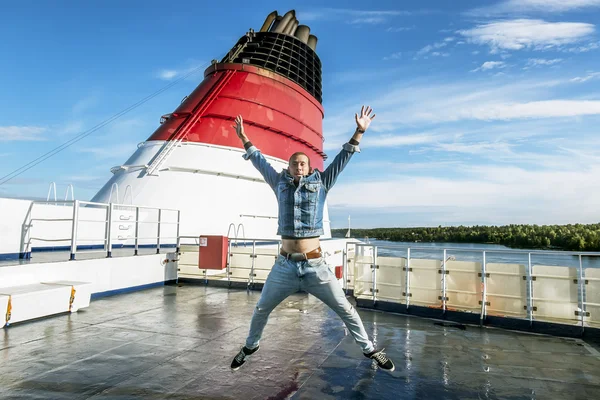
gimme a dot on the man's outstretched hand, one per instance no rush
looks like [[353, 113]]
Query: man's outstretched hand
[[364, 120], [239, 129]]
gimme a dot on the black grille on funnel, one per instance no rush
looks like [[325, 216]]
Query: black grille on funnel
[[283, 54]]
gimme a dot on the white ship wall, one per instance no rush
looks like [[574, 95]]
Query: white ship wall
[[105, 274]]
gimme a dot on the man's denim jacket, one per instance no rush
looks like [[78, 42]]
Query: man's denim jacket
[[301, 208]]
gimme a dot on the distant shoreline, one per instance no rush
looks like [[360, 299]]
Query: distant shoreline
[[572, 237]]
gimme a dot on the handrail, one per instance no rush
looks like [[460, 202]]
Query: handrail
[[67, 193], [52, 186], [115, 185], [111, 220], [237, 235], [480, 249]]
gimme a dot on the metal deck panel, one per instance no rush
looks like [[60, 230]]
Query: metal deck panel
[[176, 342]]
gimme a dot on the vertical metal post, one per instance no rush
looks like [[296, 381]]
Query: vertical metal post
[[158, 235], [344, 267], [529, 290], [444, 282], [374, 274], [407, 288], [74, 230], [177, 245], [228, 260], [581, 293], [483, 292], [109, 230], [253, 256], [137, 230]]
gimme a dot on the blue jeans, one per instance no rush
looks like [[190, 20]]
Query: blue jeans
[[313, 276]]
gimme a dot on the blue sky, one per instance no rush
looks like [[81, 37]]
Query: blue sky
[[487, 112]]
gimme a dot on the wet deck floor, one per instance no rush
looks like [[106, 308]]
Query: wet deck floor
[[177, 343]]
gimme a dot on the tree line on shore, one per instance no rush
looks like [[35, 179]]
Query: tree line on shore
[[573, 237]]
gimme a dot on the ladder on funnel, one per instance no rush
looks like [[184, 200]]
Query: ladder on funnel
[[192, 118]]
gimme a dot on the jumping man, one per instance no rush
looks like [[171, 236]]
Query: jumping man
[[301, 193]]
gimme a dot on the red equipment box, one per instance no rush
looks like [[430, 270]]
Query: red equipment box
[[212, 253]]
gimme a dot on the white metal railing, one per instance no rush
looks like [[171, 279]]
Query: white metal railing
[[99, 225], [503, 283], [245, 264], [568, 295]]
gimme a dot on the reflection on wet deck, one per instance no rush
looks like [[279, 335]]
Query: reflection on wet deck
[[177, 342]]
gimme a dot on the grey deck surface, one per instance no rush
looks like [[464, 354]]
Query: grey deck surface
[[177, 343]]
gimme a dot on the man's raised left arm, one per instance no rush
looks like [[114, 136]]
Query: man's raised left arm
[[329, 176]]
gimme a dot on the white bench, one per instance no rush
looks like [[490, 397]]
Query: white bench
[[26, 302]]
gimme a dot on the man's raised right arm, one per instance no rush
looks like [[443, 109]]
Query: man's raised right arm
[[252, 153]]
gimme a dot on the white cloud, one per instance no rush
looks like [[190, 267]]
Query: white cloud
[[71, 128], [490, 65], [350, 15], [119, 151], [84, 105], [167, 74], [524, 6], [21, 133], [534, 62], [585, 48], [493, 194], [391, 140], [172, 73], [527, 34], [591, 75], [533, 109], [331, 13], [369, 20], [425, 103], [399, 29], [393, 56], [430, 47]]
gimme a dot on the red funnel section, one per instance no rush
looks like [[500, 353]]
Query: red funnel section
[[273, 81]]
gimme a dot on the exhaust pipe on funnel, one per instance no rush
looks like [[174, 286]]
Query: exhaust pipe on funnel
[[312, 42], [268, 22], [287, 18], [291, 28], [302, 33], [276, 23]]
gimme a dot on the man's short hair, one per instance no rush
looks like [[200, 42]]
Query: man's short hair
[[299, 153]]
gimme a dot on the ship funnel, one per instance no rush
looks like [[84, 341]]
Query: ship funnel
[[268, 22], [272, 77]]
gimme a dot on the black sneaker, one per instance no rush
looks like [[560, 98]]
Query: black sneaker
[[381, 358], [240, 358]]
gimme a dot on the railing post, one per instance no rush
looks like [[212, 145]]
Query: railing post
[[581, 285], [374, 274], [158, 233], [444, 283], [177, 245], [407, 289], [530, 290], [137, 231], [483, 292], [228, 260], [253, 256], [344, 268], [74, 229], [109, 230]]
